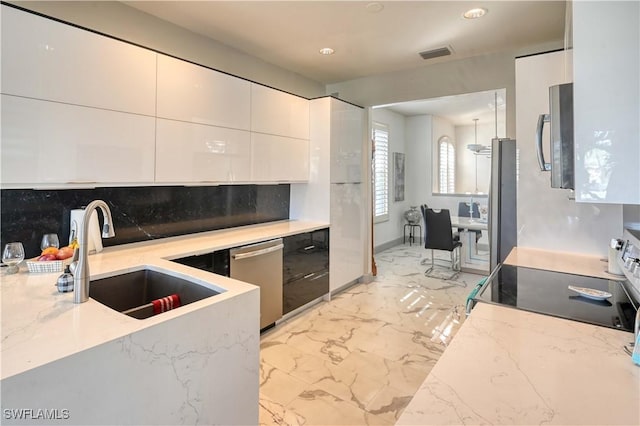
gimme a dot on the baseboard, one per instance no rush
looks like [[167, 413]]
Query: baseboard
[[367, 278], [387, 245], [299, 310]]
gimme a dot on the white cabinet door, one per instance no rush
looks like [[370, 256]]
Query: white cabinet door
[[346, 258], [279, 113], [279, 159], [606, 53], [53, 143], [187, 152], [346, 142], [190, 92], [45, 59]]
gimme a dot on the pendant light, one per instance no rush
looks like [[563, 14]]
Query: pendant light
[[475, 147], [475, 125]]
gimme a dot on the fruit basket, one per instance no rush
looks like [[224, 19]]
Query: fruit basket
[[59, 259], [46, 266]]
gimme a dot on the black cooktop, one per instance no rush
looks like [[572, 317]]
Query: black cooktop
[[547, 292]]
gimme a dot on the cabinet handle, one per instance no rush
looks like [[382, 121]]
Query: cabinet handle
[[255, 253], [543, 118], [319, 276], [309, 275], [309, 248]]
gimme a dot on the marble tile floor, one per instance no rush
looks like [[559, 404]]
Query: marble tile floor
[[359, 359]]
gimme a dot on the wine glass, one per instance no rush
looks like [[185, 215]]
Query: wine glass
[[49, 240], [12, 255]]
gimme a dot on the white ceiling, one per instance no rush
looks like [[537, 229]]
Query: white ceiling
[[290, 33]]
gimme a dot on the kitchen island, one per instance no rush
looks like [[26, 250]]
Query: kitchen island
[[66, 363], [507, 366]]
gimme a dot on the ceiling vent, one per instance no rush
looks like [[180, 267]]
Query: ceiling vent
[[435, 53]]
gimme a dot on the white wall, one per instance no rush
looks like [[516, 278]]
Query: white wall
[[392, 229], [466, 159], [476, 74], [119, 20], [419, 154]]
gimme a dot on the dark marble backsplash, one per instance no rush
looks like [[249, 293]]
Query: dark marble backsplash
[[140, 213]]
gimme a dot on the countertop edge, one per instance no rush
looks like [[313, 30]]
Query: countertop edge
[[46, 328]]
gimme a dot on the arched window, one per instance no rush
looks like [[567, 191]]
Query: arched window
[[447, 165]]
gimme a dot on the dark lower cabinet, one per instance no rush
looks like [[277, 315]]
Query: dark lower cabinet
[[305, 268], [216, 262]]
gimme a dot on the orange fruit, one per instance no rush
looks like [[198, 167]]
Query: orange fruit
[[50, 250]]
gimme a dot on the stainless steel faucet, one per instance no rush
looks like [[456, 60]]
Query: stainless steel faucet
[[81, 270]]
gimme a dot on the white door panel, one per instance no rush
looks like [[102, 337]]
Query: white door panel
[[45, 59], [279, 113], [606, 94], [279, 159], [51, 143], [346, 259], [193, 93], [187, 152], [346, 142]]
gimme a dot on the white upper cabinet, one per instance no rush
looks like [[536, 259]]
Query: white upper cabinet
[[193, 93], [82, 108], [606, 66], [45, 59], [346, 142], [279, 159], [50, 143], [187, 152], [279, 113]]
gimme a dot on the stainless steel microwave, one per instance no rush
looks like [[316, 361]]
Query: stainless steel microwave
[[560, 117]]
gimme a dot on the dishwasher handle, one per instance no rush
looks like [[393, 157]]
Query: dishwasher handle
[[259, 252]]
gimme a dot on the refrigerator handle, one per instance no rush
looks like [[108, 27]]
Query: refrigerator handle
[[542, 118]]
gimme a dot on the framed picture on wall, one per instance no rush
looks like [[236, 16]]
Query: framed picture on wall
[[398, 176]]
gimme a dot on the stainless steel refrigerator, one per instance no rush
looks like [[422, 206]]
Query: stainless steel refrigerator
[[502, 200]]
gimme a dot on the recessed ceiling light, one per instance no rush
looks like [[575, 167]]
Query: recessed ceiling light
[[375, 7], [477, 12], [326, 51]]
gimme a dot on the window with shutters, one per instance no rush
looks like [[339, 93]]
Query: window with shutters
[[447, 166], [381, 172]]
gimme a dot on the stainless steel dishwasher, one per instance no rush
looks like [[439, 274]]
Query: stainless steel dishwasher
[[261, 264]]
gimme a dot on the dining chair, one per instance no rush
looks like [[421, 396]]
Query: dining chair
[[439, 236], [463, 211], [423, 207]]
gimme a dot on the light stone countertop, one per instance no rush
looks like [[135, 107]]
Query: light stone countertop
[[40, 325], [559, 261], [512, 367]]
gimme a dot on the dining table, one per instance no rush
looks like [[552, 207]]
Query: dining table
[[471, 259]]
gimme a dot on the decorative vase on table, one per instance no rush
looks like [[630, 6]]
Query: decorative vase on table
[[413, 215]]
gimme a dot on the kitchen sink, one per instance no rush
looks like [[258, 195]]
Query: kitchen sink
[[132, 293]]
